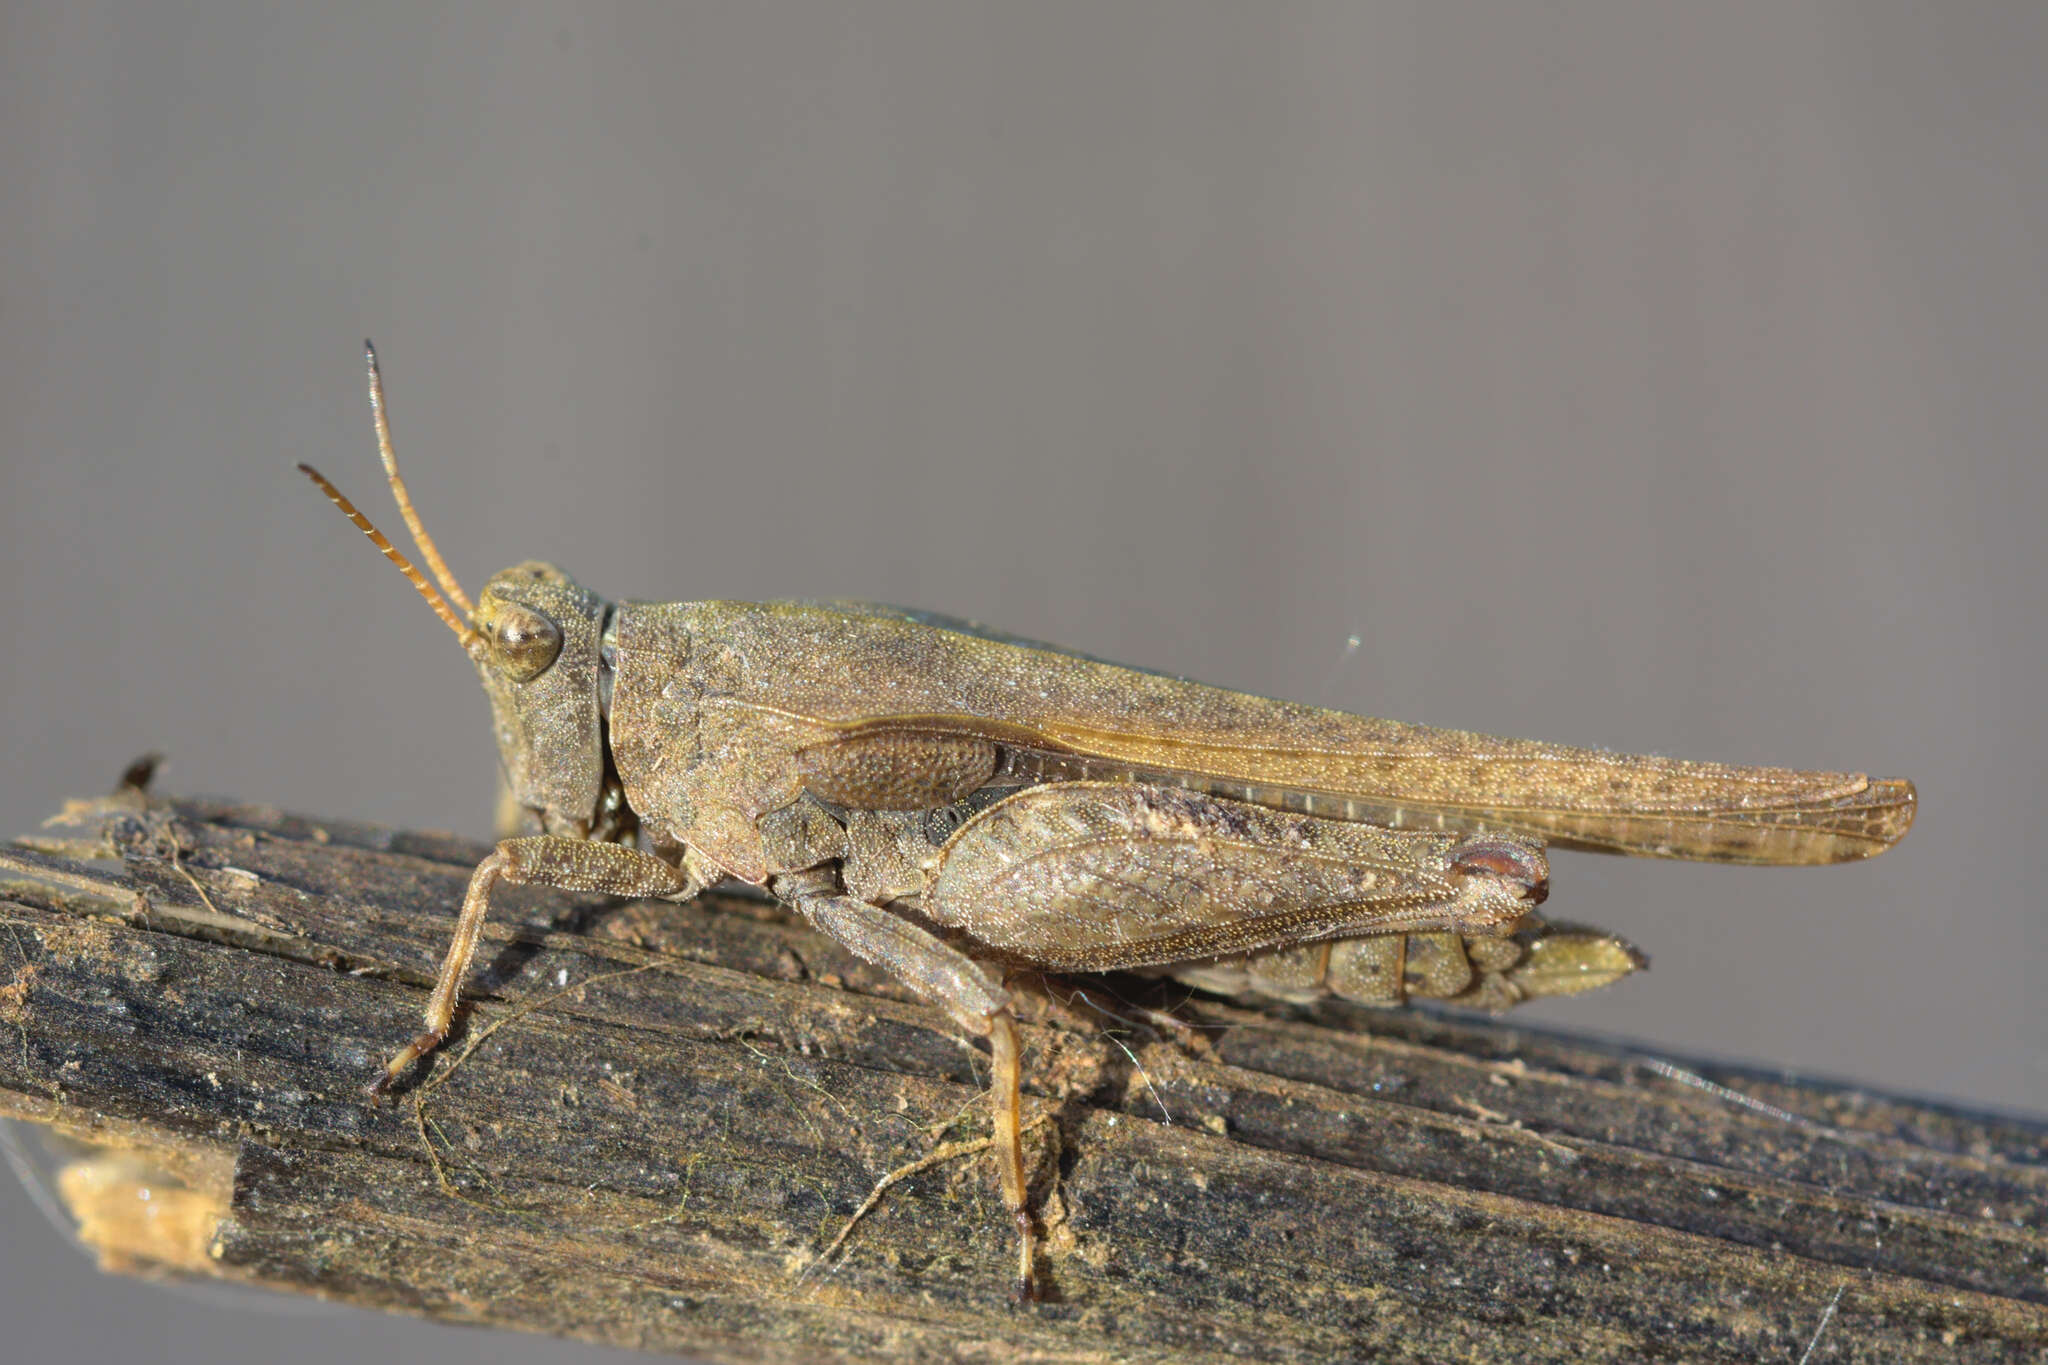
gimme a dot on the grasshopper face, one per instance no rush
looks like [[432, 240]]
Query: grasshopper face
[[537, 653]]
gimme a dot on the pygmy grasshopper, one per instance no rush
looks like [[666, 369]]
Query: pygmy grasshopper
[[948, 802]]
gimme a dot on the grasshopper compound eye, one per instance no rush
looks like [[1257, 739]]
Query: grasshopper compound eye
[[523, 642]]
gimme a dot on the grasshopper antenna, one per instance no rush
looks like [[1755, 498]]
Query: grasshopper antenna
[[382, 417], [467, 634]]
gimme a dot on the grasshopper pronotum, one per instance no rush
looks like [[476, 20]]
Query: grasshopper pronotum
[[948, 801]]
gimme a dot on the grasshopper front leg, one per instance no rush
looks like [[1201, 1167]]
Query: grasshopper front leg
[[540, 860], [964, 988]]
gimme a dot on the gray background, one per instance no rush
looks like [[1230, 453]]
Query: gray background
[[1660, 378]]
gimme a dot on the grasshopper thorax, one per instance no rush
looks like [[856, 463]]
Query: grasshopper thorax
[[538, 653]]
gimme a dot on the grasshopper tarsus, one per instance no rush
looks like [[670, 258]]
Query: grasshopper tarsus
[[420, 1046], [1026, 1290]]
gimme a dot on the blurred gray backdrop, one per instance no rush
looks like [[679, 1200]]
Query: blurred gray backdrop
[[1658, 377]]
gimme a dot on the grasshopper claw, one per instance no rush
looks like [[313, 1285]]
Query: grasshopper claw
[[396, 1067]]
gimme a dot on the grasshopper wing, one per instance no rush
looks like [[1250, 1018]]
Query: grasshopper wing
[[860, 682], [1606, 802], [1089, 876], [1112, 721]]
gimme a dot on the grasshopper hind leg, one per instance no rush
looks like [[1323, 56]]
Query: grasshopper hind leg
[[967, 991]]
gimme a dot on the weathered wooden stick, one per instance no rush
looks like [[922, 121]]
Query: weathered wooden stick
[[656, 1118]]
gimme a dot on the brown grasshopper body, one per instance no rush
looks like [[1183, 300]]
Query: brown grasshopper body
[[948, 802]]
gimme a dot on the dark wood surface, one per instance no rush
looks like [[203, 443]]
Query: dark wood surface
[[655, 1118]]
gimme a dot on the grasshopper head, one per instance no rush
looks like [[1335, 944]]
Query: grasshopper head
[[533, 635], [537, 654]]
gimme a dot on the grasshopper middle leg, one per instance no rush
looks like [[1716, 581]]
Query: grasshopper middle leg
[[964, 988]]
